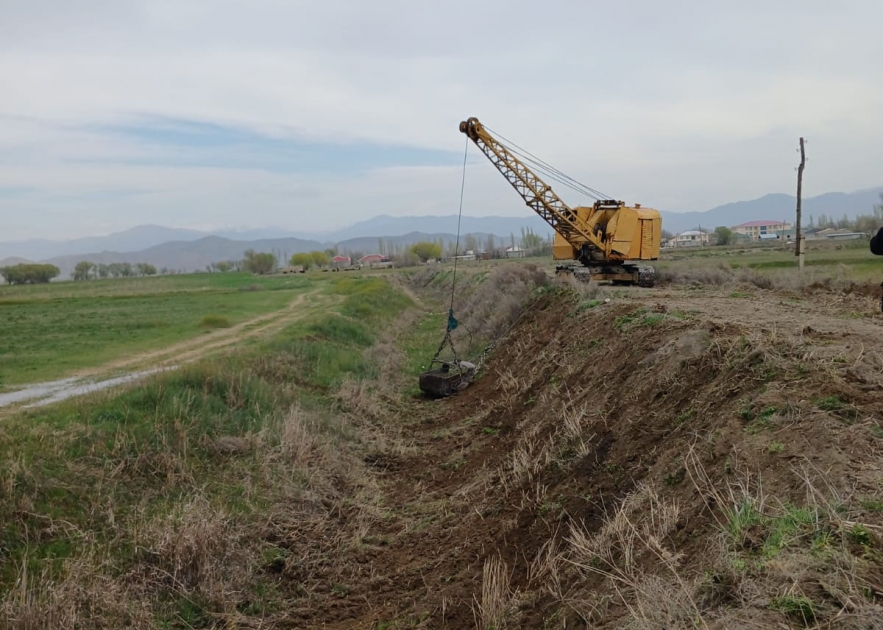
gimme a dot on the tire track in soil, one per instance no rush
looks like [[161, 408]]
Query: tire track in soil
[[193, 349]]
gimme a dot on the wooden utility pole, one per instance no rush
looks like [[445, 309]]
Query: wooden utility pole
[[799, 245]]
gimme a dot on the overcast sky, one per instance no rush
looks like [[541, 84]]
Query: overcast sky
[[314, 115]]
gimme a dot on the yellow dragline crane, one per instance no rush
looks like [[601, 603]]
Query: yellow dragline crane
[[608, 238]]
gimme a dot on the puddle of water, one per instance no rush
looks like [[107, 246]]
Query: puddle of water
[[37, 390], [57, 391]]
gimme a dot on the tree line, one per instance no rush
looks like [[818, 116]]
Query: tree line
[[85, 270], [868, 223], [310, 259], [29, 273], [403, 255], [262, 263], [534, 244]]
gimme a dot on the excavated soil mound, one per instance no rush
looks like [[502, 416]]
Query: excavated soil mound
[[666, 460]]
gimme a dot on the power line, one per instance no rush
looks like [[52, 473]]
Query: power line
[[550, 173], [551, 170]]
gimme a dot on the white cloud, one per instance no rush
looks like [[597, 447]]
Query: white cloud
[[679, 105]]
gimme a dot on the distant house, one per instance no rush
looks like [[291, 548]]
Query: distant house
[[375, 261], [846, 235], [762, 229], [833, 234], [690, 238], [372, 258], [339, 262], [515, 252]]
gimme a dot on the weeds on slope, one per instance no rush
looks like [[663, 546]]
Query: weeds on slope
[[840, 279], [618, 551], [495, 304], [767, 564], [602, 458], [487, 303]]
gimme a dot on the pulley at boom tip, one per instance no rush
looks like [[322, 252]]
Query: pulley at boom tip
[[470, 127]]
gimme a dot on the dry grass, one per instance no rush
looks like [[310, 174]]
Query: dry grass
[[369, 398], [839, 280], [198, 552], [88, 596], [497, 607], [198, 555], [588, 290], [770, 562], [806, 574], [632, 538], [799, 562], [495, 304], [715, 275]]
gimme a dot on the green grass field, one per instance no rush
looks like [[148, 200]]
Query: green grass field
[[163, 435], [51, 330], [850, 257], [847, 258]]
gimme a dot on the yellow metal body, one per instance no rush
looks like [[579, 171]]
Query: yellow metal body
[[607, 233], [629, 233]]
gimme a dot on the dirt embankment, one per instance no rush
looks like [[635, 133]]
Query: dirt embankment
[[672, 459]]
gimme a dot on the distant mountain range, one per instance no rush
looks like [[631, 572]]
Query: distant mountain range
[[774, 206], [191, 250], [777, 207], [384, 226]]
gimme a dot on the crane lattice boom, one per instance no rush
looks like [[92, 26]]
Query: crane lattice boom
[[535, 192]]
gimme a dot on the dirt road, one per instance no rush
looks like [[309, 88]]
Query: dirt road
[[135, 366], [845, 330]]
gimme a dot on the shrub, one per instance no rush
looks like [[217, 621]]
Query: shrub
[[696, 276], [342, 330], [29, 273], [214, 321], [497, 303]]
